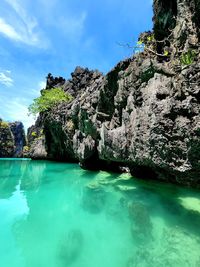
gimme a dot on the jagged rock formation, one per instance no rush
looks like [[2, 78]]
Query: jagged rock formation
[[17, 129], [6, 140], [36, 140], [145, 113], [12, 139]]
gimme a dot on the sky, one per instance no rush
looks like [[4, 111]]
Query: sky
[[42, 36]]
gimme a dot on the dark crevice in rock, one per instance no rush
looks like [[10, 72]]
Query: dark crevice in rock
[[196, 11], [165, 13], [143, 172], [161, 96], [109, 90]]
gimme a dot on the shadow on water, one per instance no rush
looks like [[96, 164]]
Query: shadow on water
[[89, 175]]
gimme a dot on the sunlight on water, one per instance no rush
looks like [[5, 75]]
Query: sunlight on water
[[58, 215]]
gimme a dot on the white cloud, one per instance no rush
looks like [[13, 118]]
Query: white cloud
[[20, 26], [9, 31], [5, 78]]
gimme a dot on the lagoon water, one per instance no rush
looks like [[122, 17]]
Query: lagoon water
[[58, 215]]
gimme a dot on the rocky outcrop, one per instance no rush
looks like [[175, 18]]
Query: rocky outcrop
[[12, 139], [7, 147], [17, 129], [36, 140], [145, 113]]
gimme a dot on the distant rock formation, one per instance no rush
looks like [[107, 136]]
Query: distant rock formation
[[144, 114], [17, 129], [12, 139], [7, 146]]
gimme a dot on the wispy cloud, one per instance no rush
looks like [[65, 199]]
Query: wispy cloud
[[9, 31], [5, 78], [19, 26]]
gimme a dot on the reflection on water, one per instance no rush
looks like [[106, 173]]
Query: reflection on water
[[56, 215]]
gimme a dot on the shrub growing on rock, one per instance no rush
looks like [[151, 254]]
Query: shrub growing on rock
[[4, 124], [34, 134], [188, 57], [48, 99]]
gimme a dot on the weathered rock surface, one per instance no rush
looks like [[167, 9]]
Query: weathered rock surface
[[36, 140], [6, 140], [144, 114], [17, 129], [12, 139]]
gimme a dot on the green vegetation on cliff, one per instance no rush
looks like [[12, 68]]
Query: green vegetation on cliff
[[48, 99]]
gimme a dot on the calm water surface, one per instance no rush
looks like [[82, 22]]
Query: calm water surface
[[56, 215]]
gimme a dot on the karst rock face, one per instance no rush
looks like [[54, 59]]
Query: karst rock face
[[144, 114], [17, 129], [12, 139]]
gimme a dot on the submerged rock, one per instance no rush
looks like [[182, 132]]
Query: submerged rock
[[168, 252], [125, 187], [93, 199], [141, 225], [190, 203], [70, 247]]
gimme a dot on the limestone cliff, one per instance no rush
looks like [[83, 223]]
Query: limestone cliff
[[6, 140], [17, 129], [144, 114], [12, 139]]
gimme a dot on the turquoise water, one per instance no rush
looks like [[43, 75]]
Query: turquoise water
[[56, 215]]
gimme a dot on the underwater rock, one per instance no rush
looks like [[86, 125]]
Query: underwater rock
[[105, 180], [167, 252], [125, 187], [70, 247], [117, 211], [93, 185], [93, 199], [190, 203], [141, 225]]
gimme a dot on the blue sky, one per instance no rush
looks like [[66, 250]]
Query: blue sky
[[42, 36]]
